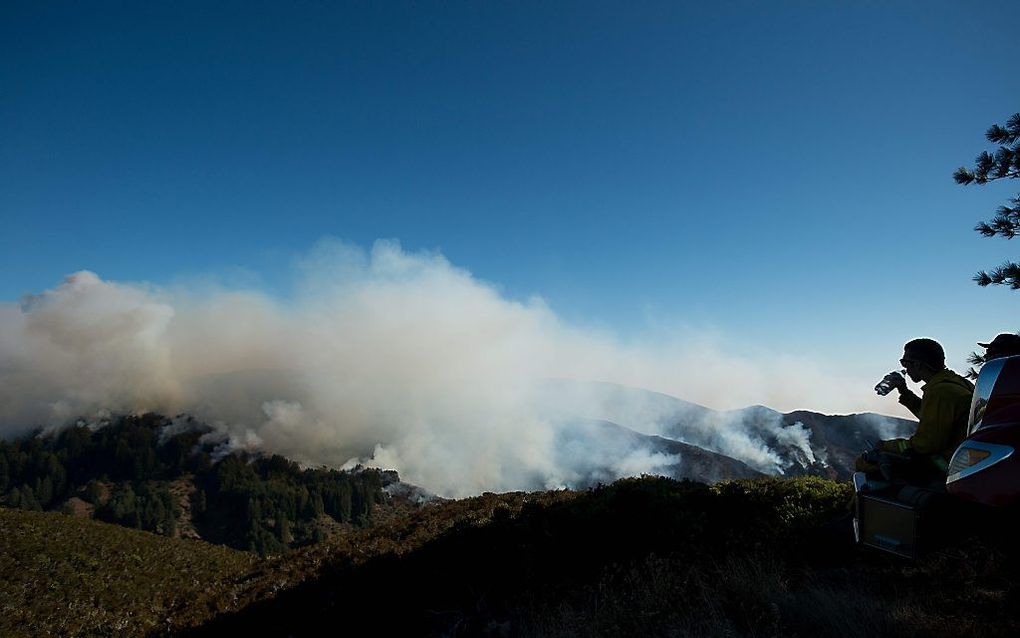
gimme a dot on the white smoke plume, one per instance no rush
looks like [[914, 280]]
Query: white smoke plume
[[885, 427], [393, 358]]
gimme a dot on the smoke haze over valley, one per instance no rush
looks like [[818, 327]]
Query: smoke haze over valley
[[404, 361]]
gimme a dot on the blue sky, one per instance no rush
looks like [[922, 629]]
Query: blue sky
[[775, 175]]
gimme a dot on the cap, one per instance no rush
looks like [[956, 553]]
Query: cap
[[1004, 342]]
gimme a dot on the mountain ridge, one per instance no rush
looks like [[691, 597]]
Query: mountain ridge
[[163, 475], [769, 441]]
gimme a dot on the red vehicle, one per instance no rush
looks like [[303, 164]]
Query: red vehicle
[[986, 468]]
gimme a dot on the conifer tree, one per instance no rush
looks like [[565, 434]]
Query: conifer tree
[[345, 502], [44, 491], [1003, 164], [169, 524], [28, 499], [57, 474], [283, 530]]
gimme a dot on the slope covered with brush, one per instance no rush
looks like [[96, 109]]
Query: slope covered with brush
[[67, 576], [650, 556]]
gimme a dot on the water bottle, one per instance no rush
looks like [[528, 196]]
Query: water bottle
[[890, 381]]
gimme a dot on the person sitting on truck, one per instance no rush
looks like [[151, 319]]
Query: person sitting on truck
[[942, 412]]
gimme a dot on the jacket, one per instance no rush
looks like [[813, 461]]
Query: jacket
[[942, 413]]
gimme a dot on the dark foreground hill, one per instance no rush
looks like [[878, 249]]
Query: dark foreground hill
[[649, 557], [645, 556]]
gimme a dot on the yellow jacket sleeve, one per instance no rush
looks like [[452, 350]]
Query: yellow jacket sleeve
[[911, 401]]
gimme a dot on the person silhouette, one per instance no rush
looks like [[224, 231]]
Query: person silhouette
[[942, 412]]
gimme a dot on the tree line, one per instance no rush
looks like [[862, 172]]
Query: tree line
[[127, 469]]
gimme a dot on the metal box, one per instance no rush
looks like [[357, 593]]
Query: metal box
[[888, 525]]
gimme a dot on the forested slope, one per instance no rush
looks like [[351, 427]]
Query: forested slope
[[173, 477]]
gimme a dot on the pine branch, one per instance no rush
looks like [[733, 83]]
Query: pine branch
[[1004, 159], [998, 135], [988, 169], [1005, 135], [1004, 164], [1013, 124], [964, 175], [982, 278], [1006, 222], [984, 163], [1008, 274]]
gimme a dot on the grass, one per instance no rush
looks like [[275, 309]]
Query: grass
[[68, 576]]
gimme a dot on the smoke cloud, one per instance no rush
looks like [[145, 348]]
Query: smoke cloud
[[396, 359]]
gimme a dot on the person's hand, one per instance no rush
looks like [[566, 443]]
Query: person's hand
[[892, 446], [872, 456]]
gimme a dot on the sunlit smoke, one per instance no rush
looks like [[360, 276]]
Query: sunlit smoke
[[385, 357]]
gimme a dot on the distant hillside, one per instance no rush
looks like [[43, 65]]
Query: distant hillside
[[179, 477], [791, 444], [160, 474], [175, 477], [767, 441], [838, 440], [612, 450]]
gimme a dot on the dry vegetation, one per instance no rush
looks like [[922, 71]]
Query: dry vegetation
[[641, 557], [69, 576]]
